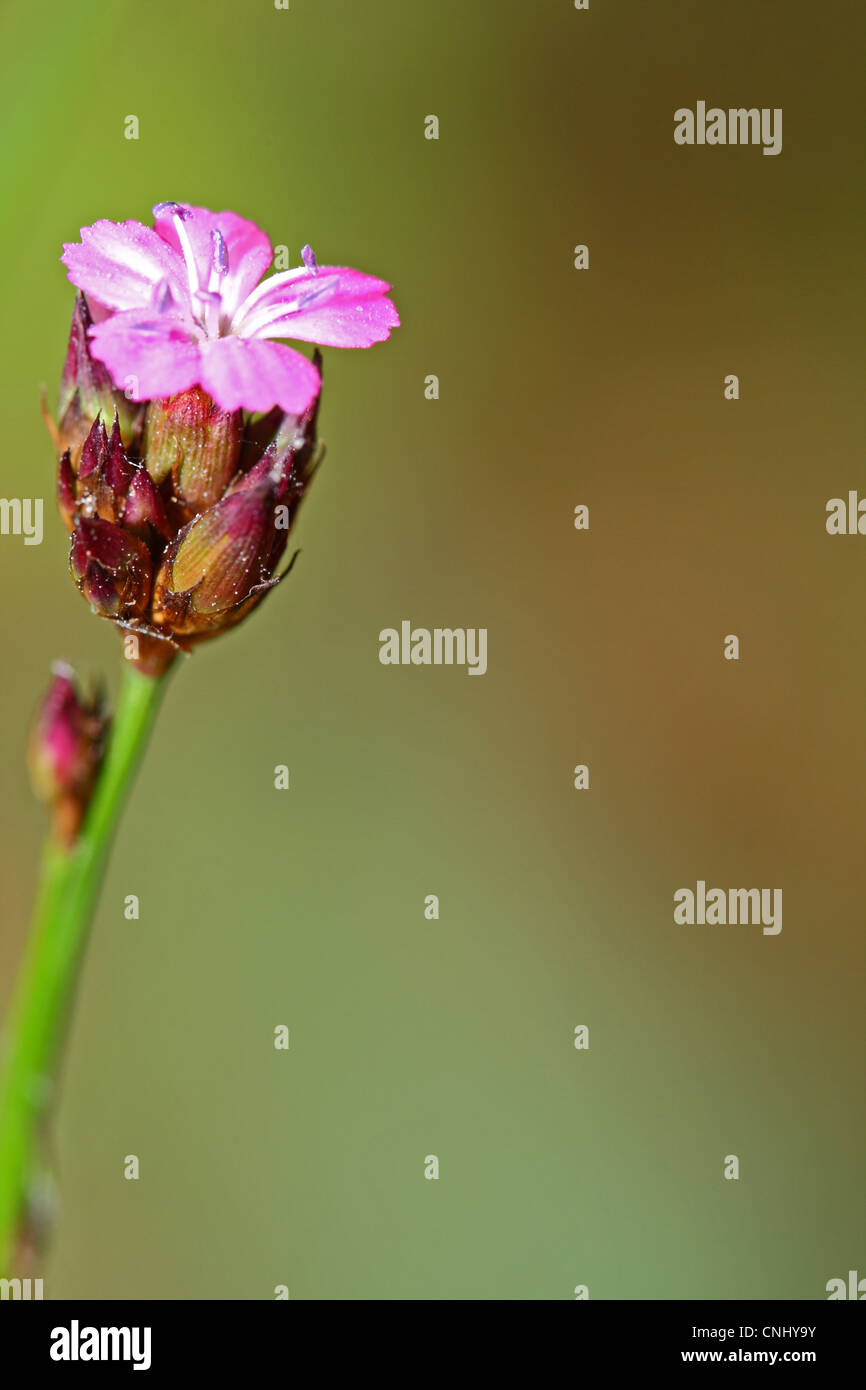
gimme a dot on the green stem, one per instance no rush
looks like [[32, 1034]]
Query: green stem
[[69, 883]]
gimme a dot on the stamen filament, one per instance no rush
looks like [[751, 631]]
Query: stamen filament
[[189, 258], [264, 317], [273, 282]]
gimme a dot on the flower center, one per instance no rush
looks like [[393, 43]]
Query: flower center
[[205, 299]]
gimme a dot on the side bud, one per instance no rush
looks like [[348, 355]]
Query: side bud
[[112, 486], [223, 562], [189, 438], [65, 752], [111, 567], [220, 565], [86, 391]]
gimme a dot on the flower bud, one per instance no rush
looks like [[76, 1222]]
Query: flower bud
[[143, 511], [112, 486], [190, 438], [104, 473], [292, 458], [220, 564], [111, 567], [86, 389], [65, 750], [296, 435]]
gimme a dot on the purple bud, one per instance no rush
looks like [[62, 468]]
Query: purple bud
[[94, 450], [115, 473], [65, 750], [111, 567], [144, 507], [220, 565], [292, 457], [114, 487], [86, 389]]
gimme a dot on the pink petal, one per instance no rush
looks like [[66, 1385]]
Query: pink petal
[[253, 375], [147, 356], [249, 249], [121, 263], [346, 308]]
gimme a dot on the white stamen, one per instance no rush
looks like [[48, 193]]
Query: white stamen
[[189, 258], [285, 277], [210, 304], [263, 318]]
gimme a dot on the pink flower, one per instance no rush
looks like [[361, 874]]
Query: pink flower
[[183, 304]]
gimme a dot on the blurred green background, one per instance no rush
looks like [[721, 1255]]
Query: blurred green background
[[558, 387]]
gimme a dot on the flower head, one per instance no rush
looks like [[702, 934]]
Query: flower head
[[179, 544], [183, 304]]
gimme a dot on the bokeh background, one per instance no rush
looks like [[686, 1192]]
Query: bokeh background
[[558, 387]]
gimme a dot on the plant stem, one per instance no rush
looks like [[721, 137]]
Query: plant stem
[[69, 883]]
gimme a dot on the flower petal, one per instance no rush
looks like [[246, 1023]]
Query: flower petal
[[147, 356], [249, 248], [121, 263], [334, 306], [252, 375]]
